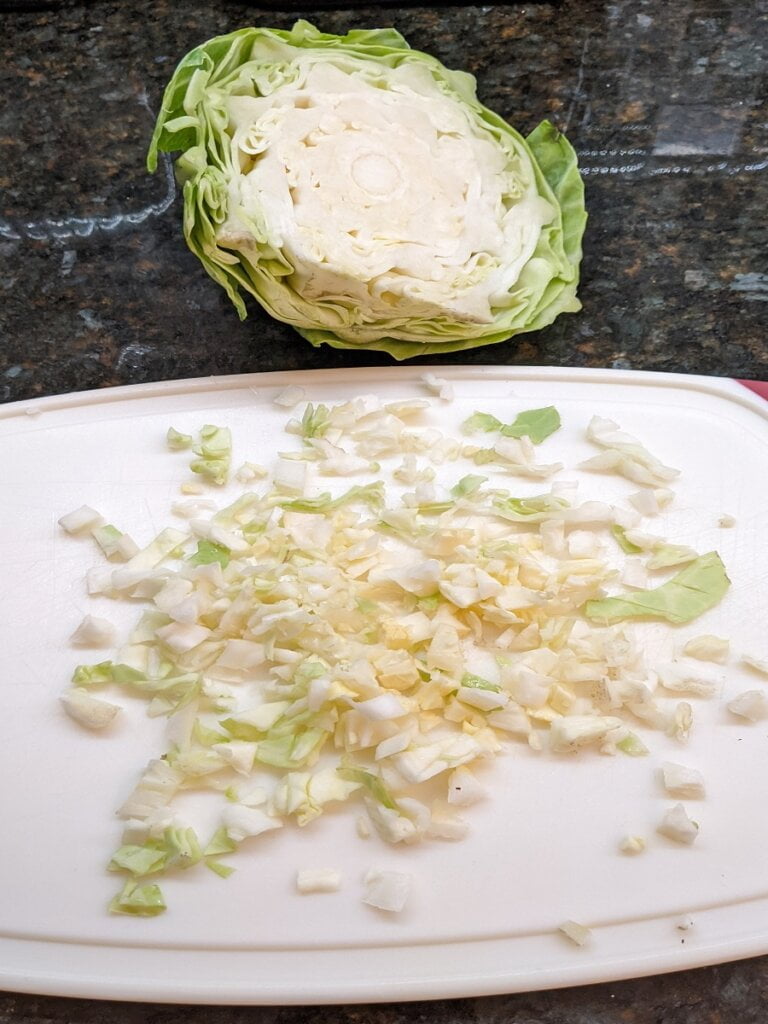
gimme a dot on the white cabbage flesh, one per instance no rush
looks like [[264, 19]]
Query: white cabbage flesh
[[396, 199]]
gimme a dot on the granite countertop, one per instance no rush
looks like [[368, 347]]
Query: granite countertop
[[666, 105]]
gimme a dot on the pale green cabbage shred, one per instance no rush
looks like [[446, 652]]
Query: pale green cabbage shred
[[367, 647]]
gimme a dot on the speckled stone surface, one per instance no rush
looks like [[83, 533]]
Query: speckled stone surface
[[666, 104]]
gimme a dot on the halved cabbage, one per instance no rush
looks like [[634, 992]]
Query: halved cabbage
[[361, 193]]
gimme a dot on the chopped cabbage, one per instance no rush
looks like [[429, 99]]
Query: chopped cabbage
[[387, 890], [375, 645], [758, 664], [752, 704], [677, 826], [214, 453], [138, 900], [290, 396], [81, 519], [536, 424], [708, 648], [178, 441], [94, 631], [579, 934], [687, 783], [318, 880], [632, 845], [89, 711]]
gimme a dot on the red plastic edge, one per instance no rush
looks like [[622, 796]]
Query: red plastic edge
[[760, 387]]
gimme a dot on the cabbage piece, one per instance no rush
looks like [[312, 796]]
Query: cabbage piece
[[666, 556], [373, 783], [318, 880], [438, 386], [290, 396], [624, 542], [678, 678], [579, 934], [305, 794], [387, 890], [214, 454], [758, 664], [677, 826], [178, 847], [113, 542], [369, 494], [81, 519], [138, 900], [708, 648], [360, 192], [537, 424], [241, 822], [571, 732], [94, 631], [694, 590], [632, 745], [625, 455], [632, 845], [687, 783], [208, 552], [177, 441], [752, 705], [156, 788], [88, 710]]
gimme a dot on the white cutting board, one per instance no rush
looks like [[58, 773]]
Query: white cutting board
[[484, 912]]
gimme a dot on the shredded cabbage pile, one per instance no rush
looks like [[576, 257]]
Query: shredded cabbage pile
[[349, 631]]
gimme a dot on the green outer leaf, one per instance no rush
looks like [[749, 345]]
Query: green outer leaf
[[559, 164], [694, 590], [193, 119]]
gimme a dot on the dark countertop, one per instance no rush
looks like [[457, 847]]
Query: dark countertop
[[666, 104]]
